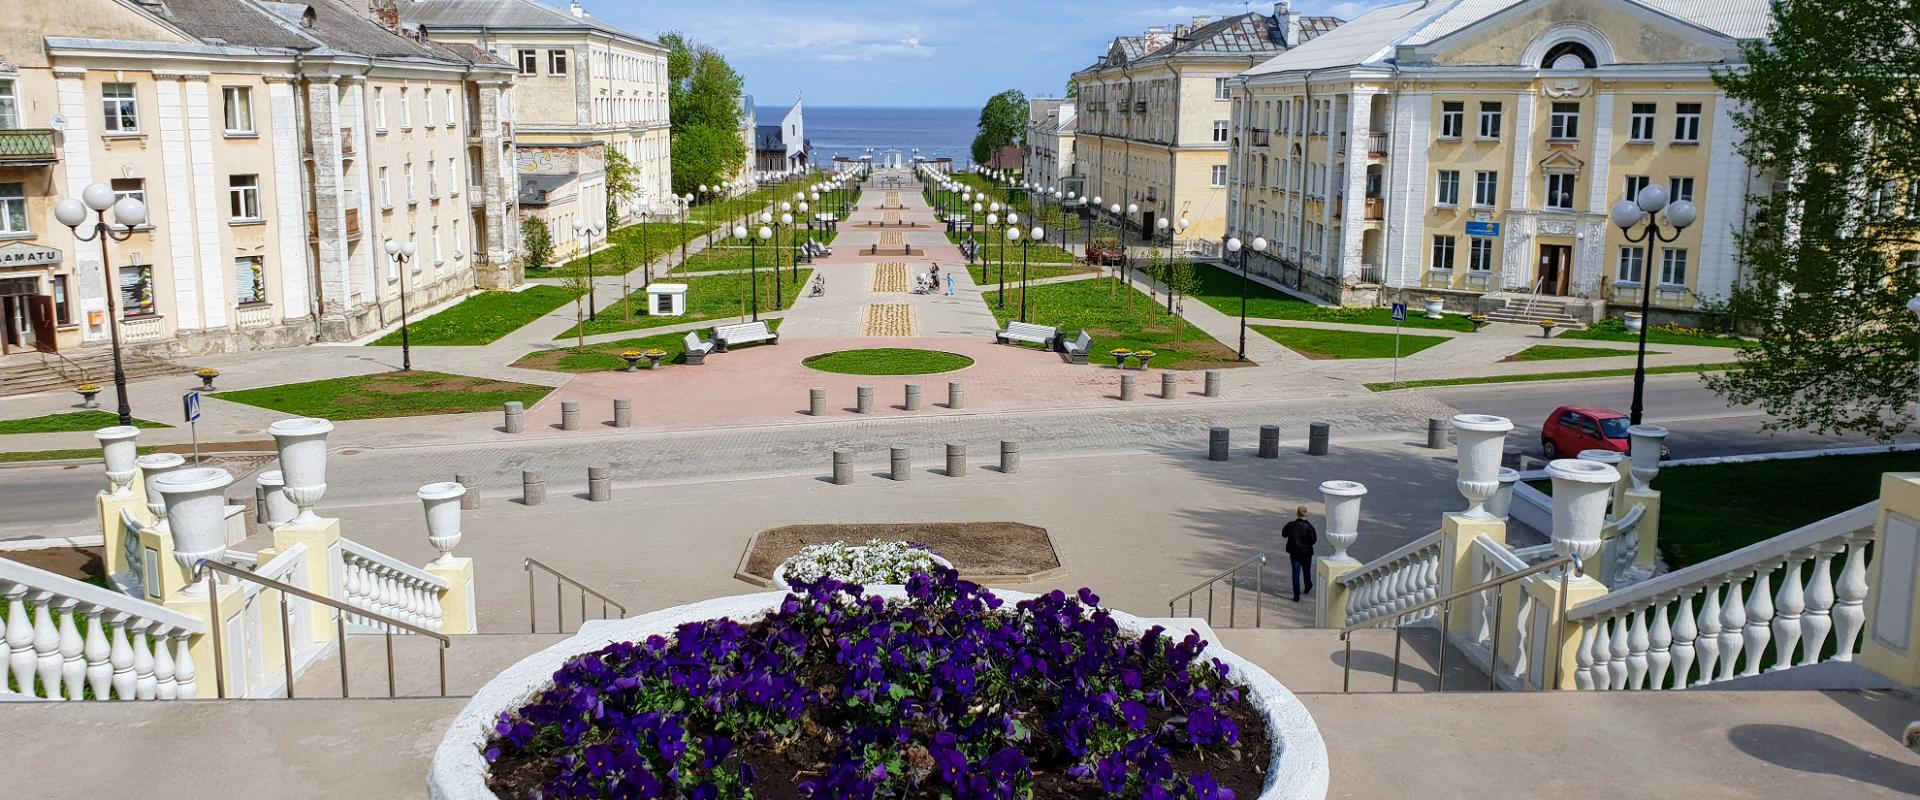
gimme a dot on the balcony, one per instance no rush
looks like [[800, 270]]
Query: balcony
[[27, 147], [1377, 144], [346, 143], [1258, 136], [353, 224], [1376, 209]]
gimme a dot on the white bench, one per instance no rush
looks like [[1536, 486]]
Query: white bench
[[726, 336], [1042, 335], [696, 350], [1077, 349]]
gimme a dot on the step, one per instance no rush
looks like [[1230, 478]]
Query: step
[[28, 374], [1310, 659], [472, 660]]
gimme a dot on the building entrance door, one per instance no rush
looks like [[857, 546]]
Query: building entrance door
[[26, 316], [1556, 269]]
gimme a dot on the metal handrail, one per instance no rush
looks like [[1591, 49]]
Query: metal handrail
[[1445, 604], [559, 613], [200, 569], [1233, 594]]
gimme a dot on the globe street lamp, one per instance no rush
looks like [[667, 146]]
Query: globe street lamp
[[684, 203], [786, 221], [772, 224], [1133, 212], [130, 214], [1165, 226], [1626, 214], [1258, 244], [1037, 233], [403, 253], [589, 231]]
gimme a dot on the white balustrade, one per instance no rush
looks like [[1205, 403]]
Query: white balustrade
[[131, 649], [1803, 592], [381, 584], [1395, 582]]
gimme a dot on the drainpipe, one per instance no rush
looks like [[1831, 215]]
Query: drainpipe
[[1306, 160], [308, 196], [1386, 195]]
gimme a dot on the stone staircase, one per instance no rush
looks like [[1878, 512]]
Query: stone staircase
[[30, 373], [472, 660], [1529, 310], [1309, 660]]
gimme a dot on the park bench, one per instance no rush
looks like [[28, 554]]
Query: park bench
[[727, 336], [1077, 349], [696, 350], [1042, 335]]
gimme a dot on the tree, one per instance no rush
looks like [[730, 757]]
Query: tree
[[703, 99], [537, 241], [620, 185], [577, 286], [1829, 114], [1073, 89], [1003, 123], [1182, 280]]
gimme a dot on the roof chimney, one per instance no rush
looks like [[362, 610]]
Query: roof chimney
[[1288, 22], [386, 13], [577, 10]]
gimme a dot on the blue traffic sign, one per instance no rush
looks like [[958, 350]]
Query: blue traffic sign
[[191, 405], [1483, 230], [1399, 312]]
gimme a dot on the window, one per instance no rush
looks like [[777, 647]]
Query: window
[[1564, 122], [1449, 188], [243, 198], [411, 197], [413, 264], [1673, 266], [433, 180], [437, 259], [237, 102], [453, 108], [1680, 189], [1686, 123], [1486, 188], [1634, 184], [13, 208], [9, 106], [556, 62], [426, 107], [121, 109], [1560, 186], [453, 174], [1220, 89], [1633, 265], [62, 301], [1443, 252], [1219, 175], [386, 190], [406, 110], [129, 188], [1219, 130], [529, 62], [1480, 255], [380, 110], [1640, 126], [249, 280], [1453, 119], [1490, 120], [136, 290]]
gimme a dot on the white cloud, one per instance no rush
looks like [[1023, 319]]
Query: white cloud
[[909, 47]]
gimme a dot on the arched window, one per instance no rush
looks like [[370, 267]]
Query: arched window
[[1569, 55]]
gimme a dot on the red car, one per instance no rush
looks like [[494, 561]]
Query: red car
[[1571, 429]]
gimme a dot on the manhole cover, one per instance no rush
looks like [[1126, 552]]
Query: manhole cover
[[245, 431], [351, 451]]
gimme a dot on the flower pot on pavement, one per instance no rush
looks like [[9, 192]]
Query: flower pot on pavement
[[87, 394], [1633, 321], [1434, 305]]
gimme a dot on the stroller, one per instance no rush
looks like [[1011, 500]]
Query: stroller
[[818, 287], [923, 283]]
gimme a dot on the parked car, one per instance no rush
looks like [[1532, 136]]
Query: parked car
[[1571, 429], [1105, 256]]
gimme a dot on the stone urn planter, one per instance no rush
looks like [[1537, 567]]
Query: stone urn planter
[[1342, 499], [1546, 328], [655, 356], [1581, 489], [442, 504], [1120, 357], [152, 466], [280, 508], [1502, 501], [302, 443], [1647, 444], [196, 514], [88, 392], [1634, 321], [1482, 440], [206, 377], [1142, 357], [1479, 321], [1298, 770], [1434, 306], [632, 358], [119, 449]]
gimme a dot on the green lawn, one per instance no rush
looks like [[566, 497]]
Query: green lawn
[[728, 254], [1220, 288], [1101, 308], [1549, 376], [92, 453], [1554, 352], [1317, 343], [709, 297], [482, 318], [1614, 330], [984, 274], [606, 357], [627, 248], [888, 361], [388, 394], [71, 421]]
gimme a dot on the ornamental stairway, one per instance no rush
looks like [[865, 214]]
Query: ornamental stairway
[[28, 373]]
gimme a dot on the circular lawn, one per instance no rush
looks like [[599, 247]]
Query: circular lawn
[[888, 361]]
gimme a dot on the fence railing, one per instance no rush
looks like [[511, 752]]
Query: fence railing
[[1233, 576], [560, 581], [389, 587], [1390, 585], [68, 640]]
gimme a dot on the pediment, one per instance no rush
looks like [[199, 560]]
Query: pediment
[[1615, 31]]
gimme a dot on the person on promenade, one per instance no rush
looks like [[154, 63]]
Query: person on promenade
[[1300, 538], [949, 284]]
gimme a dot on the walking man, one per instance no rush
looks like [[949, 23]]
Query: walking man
[[1301, 537]]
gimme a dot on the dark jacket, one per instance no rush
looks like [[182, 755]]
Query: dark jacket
[[1301, 537]]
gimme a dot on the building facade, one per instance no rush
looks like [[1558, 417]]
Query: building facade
[[577, 82], [1153, 114], [782, 149], [1474, 152], [276, 147], [1049, 161]]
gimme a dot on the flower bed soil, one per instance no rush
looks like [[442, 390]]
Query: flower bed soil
[[976, 549]]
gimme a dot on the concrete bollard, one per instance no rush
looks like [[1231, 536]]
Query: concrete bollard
[[1213, 383], [1437, 433], [1169, 384], [533, 488], [1512, 457], [599, 484], [1009, 457], [817, 402], [863, 403], [1318, 436], [1269, 441], [956, 395], [516, 417], [902, 463], [842, 467], [956, 461], [913, 397], [569, 415], [623, 412], [1127, 388], [1217, 443], [470, 500]]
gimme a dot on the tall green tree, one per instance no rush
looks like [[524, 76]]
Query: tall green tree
[[1003, 122], [1073, 89], [538, 243], [620, 185], [1829, 111], [703, 99]]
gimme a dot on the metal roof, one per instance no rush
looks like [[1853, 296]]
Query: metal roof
[[505, 14], [1240, 35], [315, 26], [536, 188]]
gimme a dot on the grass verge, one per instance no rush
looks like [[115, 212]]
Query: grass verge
[[1220, 288], [388, 394], [888, 361], [481, 319], [68, 421], [1116, 317], [709, 297], [1549, 376], [606, 357], [1554, 352], [1322, 344], [92, 453], [1614, 330]]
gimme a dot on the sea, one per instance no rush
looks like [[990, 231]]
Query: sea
[[851, 131]]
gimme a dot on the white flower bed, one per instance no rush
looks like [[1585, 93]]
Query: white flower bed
[[873, 563]]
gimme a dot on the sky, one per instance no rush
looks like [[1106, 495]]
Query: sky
[[940, 53]]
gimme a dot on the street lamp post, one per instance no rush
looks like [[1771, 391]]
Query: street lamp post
[[582, 229], [1037, 233], [1258, 244], [129, 213], [685, 203], [1626, 214], [403, 253]]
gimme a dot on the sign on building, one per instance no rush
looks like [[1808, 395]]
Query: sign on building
[[23, 254], [1483, 230]]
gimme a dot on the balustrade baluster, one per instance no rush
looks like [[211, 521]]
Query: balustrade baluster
[[1759, 621], [437, 615], [1684, 634], [1523, 638], [1659, 646], [1733, 624], [165, 686], [1708, 640], [1430, 588], [351, 583], [73, 664], [1637, 643], [98, 652], [46, 647], [1584, 677], [122, 658], [143, 678], [183, 669], [1817, 622], [1849, 607], [1617, 653], [1788, 605], [19, 640]]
